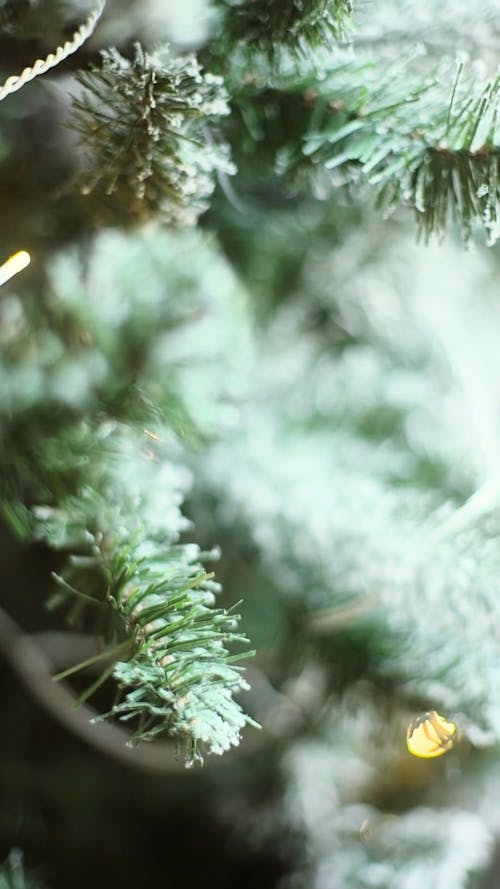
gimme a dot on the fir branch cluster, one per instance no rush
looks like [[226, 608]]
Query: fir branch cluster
[[302, 24], [167, 645], [432, 148], [145, 126], [429, 141], [97, 475]]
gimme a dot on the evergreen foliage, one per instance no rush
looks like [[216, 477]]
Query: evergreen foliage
[[303, 24], [370, 119], [292, 379], [105, 489], [167, 644], [429, 142], [144, 126]]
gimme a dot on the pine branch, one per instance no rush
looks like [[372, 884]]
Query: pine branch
[[174, 666], [435, 153], [268, 24], [88, 415], [145, 128], [428, 142]]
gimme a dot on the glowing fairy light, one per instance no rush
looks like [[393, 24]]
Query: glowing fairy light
[[430, 735], [14, 264]]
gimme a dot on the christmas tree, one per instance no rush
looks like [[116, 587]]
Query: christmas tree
[[249, 444]]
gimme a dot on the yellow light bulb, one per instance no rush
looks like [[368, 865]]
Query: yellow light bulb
[[14, 264], [430, 735]]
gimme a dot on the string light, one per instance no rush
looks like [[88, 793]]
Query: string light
[[430, 735], [14, 264]]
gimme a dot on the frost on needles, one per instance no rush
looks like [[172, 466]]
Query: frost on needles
[[146, 128], [300, 26], [163, 641], [423, 134], [93, 420]]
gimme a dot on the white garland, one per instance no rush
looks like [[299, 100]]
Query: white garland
[[15, 82]]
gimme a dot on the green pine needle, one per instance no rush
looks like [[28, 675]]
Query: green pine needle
[[416, 143], [431, 143], [301, 25], [90, 405], [176, 673], [145, 129]]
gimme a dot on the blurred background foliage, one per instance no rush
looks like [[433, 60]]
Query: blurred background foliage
[[231, 354]]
